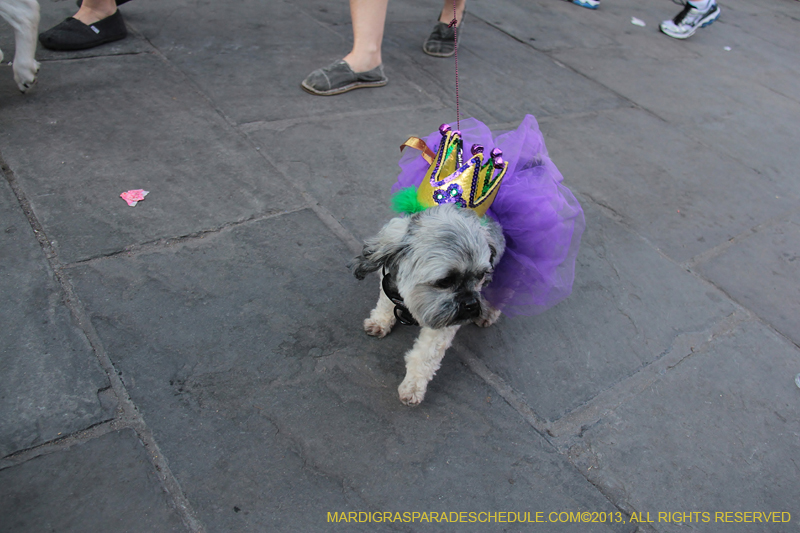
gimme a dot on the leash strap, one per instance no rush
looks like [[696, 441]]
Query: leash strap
[[454, 24]]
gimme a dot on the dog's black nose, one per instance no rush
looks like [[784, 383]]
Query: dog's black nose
[[469, 307]]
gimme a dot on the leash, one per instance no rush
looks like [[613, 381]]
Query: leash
[[454, 24]]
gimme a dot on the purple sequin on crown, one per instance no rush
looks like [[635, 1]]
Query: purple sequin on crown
[[451, 195]]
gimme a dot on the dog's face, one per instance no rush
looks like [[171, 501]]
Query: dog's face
[[439, 260]]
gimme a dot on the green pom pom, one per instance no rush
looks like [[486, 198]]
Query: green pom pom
[[405, 202]]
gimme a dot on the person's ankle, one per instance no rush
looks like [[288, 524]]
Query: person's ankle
[[362, 64], [446, 16], [90, 16]]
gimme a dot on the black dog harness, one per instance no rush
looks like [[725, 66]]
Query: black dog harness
[[401, 312]]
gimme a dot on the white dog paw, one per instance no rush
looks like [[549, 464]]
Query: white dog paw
[[25, 74], [412, 392], [377, 328], [488, 318]]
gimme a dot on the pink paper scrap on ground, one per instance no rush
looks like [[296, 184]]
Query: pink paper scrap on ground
[[134, 196]]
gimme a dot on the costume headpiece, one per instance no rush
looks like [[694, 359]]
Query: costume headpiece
[[472, 184]]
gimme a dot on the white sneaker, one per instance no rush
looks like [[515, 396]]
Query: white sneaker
[[689, 21]]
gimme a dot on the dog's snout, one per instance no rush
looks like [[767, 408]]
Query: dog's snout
[[472, 305], [469, 307]]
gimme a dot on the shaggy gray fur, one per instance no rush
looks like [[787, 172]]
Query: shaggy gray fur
[[439, 259]]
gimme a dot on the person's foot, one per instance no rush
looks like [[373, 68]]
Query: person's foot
[[691, 19], [591, 4], [338, 78], [72, 34], [442, 41]]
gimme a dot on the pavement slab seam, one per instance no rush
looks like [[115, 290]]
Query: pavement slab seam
[[567, 431], [65, 442], [718, 250], [148, 247], [117, 489], [27, 210], [322, 213], [610, 213], [692, 265], [695, 264], [758, 318], [79, 58], [780, 93], [550, 55], [281, 125], [541, 426], [131, 412], [685, 346], [513, 398], [127, 411]]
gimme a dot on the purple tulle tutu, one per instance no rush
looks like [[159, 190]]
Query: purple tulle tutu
[[541, 219]]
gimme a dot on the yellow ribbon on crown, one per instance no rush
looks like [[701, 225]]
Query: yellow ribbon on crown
[[472, 184]]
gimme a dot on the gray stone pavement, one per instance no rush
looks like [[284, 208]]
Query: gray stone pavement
[[196, 363]]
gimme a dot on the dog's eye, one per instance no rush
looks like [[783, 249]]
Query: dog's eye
[[447, 282]]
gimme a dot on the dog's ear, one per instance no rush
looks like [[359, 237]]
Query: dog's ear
[[496, 240], [387, 245]]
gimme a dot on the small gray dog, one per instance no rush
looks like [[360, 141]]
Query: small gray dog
[[433, 266]]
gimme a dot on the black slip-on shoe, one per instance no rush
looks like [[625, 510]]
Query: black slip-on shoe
[[442, 40], [338, 78], [72, 34]]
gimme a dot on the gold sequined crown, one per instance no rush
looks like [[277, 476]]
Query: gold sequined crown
[[472, 184]]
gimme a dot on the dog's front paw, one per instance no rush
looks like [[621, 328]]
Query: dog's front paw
[[25, 74], [412, 391], [381, 320], [377, 328], [489, 317]]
